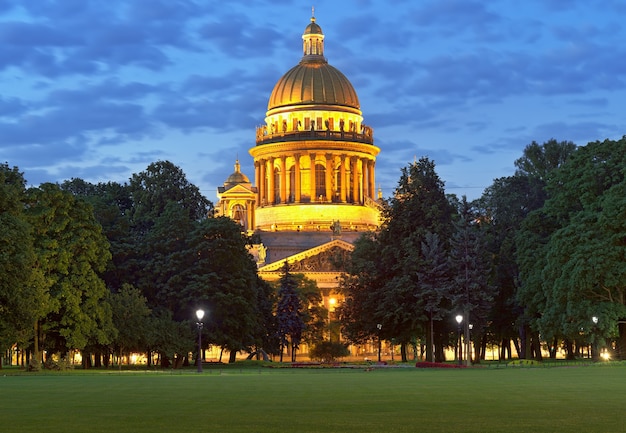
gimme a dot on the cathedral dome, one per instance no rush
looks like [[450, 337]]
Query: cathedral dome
[[313, 80], [313, 83], [237, 176]]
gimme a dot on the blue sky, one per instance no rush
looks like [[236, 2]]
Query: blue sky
[[99, 90]]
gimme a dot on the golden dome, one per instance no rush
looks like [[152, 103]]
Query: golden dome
[[237, 176], [313, 28], [313, 80], [313, 83]]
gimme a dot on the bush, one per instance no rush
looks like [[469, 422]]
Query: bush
[[426, 364], [524, 363], [328, 352]]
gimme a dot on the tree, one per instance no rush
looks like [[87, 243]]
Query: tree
[[538, 161], [19, 283], [314, 314], [503, 206], [220, 275], [577, 269], [384, 283], [172, 340], [434, 282], [112, 205], [361, 287], [71, 253], [131, 319], [418, 207], [161, 183], [266, 340], [471, 273], [289, 313]]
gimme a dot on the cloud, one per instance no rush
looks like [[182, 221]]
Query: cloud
[[237, 36]]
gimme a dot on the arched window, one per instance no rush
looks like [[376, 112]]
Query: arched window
[[238, 213], [291, 191], [349, 191], [320, 182], [338, 183], [276, 185]]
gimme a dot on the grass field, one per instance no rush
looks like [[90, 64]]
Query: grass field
[[253, 399]]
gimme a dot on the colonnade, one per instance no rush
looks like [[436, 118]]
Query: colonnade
[[314, 177]]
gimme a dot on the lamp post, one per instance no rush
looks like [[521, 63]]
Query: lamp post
[[199, 315], [331, 309], [379, 326], [594, 344], [469, 352], [459, 319]]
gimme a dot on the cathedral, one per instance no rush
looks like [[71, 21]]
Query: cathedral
[[314, 174]]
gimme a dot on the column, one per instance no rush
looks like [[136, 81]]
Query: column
[[342, 174], [312, 177], [283, 179], [270, 181], [355, 179], [366, 177], [262, 185], [329, 177], [251, 222], [372, 180], [257, 180], [297, 176]]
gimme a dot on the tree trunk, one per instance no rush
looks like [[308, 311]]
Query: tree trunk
[[86, 360], [35, 356], [552, 349], [536, 346], [483, 347], [569, 349], [293, 353], [504, 348], [233, 356], [430, 356], [527, 347]]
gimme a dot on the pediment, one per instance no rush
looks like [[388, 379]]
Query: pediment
[[329, 257], [238, 189]]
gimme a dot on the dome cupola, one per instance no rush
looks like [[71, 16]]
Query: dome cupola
[[236, 177], [313, 82]]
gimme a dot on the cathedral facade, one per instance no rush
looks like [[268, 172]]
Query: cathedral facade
[[314, 188]]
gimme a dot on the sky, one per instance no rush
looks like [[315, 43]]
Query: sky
[[99, 90]]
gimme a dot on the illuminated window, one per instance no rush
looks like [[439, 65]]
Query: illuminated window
[[320, 181], [338, 182], [292, 184], [238, 213], [276, 185]]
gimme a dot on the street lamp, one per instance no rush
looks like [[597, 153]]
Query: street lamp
[[331, 310], [199, 315], [379, 326], [470, 352], [459, 319]]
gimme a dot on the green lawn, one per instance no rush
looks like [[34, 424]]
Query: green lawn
[[583, 398]]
